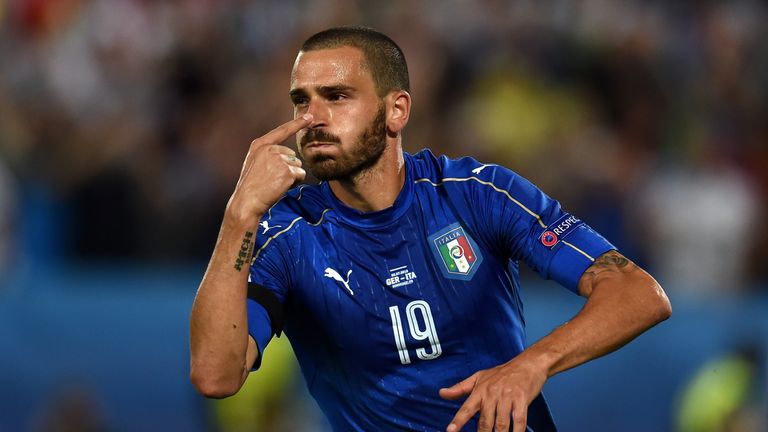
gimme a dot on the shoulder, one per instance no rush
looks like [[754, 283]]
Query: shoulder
[[300, 206], [463, 170], [428, 166], [481, 186], [304, 201]]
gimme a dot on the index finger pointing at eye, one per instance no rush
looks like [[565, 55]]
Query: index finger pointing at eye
[[285, 130]]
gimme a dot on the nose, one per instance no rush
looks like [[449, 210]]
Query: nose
[[321, 115]]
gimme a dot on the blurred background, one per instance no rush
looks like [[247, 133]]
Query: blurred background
[[123, 125]]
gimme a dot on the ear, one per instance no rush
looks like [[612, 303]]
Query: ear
[[398, 105]]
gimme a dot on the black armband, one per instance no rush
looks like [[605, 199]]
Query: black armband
[[271, 304]]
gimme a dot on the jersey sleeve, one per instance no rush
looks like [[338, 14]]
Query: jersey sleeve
[[530, 226], [267, 286]]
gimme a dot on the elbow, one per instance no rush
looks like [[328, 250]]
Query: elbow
[[212, 386], [665, 311], [662, 307]]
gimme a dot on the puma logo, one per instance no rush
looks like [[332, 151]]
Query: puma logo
[[265, 225], [480, 168], [333, 274]]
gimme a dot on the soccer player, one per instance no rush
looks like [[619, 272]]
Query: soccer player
[[396, 278]]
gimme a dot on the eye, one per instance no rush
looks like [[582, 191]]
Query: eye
[[299, 101], [336, 97]]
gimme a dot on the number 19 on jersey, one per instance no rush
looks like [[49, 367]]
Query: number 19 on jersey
[[420, 333]]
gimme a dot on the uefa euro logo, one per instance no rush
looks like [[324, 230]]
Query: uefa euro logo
[[549, 238], [456, 252]]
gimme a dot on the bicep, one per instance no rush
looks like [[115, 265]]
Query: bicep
[[535, 229], [267, 288]]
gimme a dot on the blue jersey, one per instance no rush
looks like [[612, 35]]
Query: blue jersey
[[385, 308]]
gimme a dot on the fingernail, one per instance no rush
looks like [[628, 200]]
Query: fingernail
[[307, 116], [451, 427]]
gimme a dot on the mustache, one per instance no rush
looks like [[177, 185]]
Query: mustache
[[319, 135]]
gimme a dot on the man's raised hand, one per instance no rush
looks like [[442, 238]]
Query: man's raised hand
[[269, 170]]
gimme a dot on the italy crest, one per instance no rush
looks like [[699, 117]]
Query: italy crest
[[456, 253]]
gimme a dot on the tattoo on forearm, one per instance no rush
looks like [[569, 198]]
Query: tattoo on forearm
[[246, 250], [611, 261], [612, 258]]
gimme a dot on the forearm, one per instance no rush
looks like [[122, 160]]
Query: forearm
[[623, 301], [620, 306], [221, 350], [219, 322]]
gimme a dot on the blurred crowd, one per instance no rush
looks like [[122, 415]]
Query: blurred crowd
[[123, 124]]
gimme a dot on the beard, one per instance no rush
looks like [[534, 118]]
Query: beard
[[349, 165]]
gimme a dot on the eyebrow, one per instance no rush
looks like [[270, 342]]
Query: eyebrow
[[323, 90]]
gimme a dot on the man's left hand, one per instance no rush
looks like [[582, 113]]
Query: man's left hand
[[498, 393]]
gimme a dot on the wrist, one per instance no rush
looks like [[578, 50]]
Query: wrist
[[239, 216], [240, 220], [539, 357]]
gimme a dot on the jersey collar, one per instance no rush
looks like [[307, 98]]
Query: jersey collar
[[380, 217]]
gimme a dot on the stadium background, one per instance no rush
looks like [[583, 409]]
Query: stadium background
[[123, 125]]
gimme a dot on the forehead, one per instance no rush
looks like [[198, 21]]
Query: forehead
[[329, 66]]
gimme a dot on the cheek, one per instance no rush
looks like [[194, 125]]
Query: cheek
[[350, 123], [346, 132]]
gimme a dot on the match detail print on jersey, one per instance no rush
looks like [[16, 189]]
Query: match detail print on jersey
[[456, 253]]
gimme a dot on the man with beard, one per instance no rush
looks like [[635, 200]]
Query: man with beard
[[396, 278]]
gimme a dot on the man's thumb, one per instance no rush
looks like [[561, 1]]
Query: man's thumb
[[458, 390]]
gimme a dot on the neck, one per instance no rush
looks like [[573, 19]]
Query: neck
[[376, 188]]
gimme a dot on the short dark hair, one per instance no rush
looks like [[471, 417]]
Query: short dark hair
[[383, 58]]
